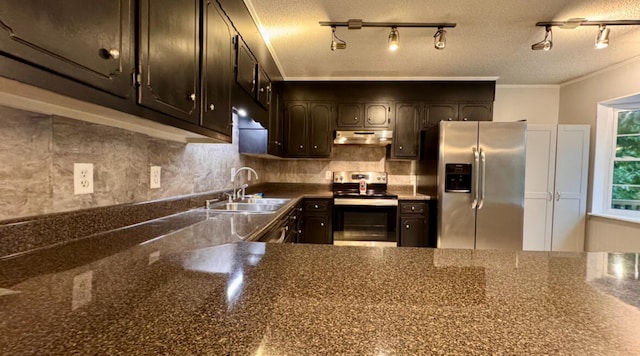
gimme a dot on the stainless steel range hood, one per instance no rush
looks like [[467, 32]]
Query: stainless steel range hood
[[360, 137]]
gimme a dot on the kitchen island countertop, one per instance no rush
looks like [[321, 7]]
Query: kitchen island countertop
[[193, 291]]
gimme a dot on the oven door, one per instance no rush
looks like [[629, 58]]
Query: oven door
[[361, 220]]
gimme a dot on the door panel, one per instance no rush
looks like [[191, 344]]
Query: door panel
[[456, 217], [296, 129], [169, 57], [377, 115], [320, 129], [500, 212], [217, 69], [350, 115], [440, 112], [90, 41], [406, 133], [475, 112]]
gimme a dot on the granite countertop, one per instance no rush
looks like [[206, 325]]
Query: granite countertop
[[188, 284]]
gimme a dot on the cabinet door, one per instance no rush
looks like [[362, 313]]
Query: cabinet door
[[538, 187], [264, 88], [89, 41], [296, 129], [413, 231], [406, 134], [439, 112], [476, 112], [246, 67], [572, 167], [320, 129], [169, 76], [217, 69], [275, 133], [377, 115], [317, 229], [350, 115]]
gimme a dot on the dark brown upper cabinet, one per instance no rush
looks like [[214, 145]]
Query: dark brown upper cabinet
[[363, 115], [246, 68], [169, 57], [308, 129], [264, 88], [88, 41], [434, 113], [406, 136], [217, 68]]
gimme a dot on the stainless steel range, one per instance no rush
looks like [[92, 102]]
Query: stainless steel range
[[363, 209]]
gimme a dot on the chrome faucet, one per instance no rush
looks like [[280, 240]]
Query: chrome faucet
[[234, 173]]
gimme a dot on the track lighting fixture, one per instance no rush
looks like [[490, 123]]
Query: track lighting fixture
[[546, 43], [439, 41], [339, 44], [602, 36], [394, 38]]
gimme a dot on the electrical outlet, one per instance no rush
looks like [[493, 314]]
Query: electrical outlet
[[328, 175], [82, 178], [154, 180], [82, 285]]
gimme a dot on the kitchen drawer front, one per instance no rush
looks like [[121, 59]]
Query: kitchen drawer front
[[311, 206], [412, 208]]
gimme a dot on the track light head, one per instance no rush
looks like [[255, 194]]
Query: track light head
[[439, 39], [547, 43], [602, 37], [394, 38], [339, 44]]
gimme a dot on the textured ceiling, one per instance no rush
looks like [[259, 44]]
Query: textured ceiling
[[492, 39]]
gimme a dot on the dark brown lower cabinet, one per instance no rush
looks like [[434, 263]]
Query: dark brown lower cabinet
[[316, 224], [414, 224]]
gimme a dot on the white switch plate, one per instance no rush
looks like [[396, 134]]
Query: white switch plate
[[154, 177], [82, 178], [328, 175], [82, 285]]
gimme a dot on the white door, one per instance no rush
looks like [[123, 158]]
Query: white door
[[539, 190], [572, 165]]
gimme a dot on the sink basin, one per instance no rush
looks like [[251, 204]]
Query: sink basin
[[247, 208], [277, 201]]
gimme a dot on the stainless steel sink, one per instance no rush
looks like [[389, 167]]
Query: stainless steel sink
[[246, 208], [276, 201]]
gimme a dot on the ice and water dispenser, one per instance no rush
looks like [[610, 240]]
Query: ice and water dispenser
[[457, 178]]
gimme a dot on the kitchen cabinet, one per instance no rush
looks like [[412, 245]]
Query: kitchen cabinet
[[170, 77], [363, 115], [264, 88], [89, 41], [275, 129], [557, 165], [436, 112], [287, 229], [308, 129], [217, 69], [316, 226], [414, 224], [246, 68], [406, 136]]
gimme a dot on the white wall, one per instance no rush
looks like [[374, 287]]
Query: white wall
[[538, 104], [578, 105]]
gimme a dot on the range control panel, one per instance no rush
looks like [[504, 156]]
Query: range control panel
[[357, 177]]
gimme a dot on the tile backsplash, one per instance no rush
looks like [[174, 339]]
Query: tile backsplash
[[38, 152]]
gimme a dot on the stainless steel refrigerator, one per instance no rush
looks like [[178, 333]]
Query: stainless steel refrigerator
[[477, 170]]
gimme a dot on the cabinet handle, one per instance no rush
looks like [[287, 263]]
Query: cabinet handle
[[413, 208], [315, 146], [321, 224], [449, 119], [212, 107], [355, 118], [262, 90], [400, 148], [192, 97], [550, 196], [557, 196], [109, 53], [465, 119], [406, 226], [295, 217], [301, 147], [315, 206]]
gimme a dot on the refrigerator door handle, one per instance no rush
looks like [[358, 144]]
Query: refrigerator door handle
[[483, 160], [474, 174]]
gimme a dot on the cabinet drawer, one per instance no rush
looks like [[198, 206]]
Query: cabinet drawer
[[311, 206], [412, 208]]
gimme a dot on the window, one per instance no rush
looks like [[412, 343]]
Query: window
[[625, 162]]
